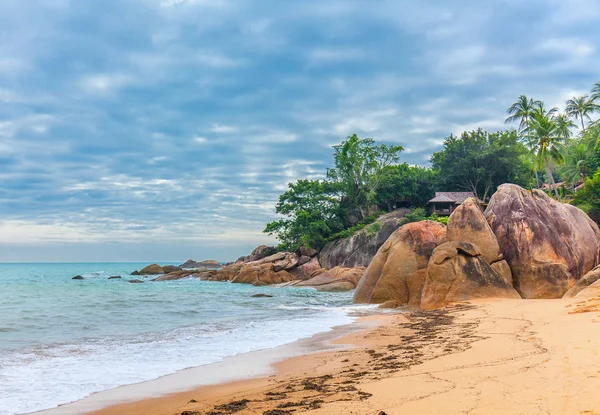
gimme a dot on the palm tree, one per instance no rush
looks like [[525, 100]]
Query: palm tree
[[564, 125], [521, 110], [596, 91], [545, 138], [575, 158], [580, 108]]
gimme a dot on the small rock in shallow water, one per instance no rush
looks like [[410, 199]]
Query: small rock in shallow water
[[77, 277], [136, 281], [114, 277], [135, 273], [261, 296]]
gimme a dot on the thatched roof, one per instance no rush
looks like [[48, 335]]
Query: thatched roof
[[452, 197]]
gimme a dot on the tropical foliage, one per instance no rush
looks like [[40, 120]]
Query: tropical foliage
[[368, 179]]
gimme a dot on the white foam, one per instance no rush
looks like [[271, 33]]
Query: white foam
[[42, 378]]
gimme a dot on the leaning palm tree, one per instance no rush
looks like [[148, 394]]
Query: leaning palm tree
[[544, 137], [581, 108], [521, 110]]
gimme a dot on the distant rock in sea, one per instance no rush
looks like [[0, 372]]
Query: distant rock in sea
[[209, 263], [114, 277], [153, 269], [261, 296], [77, 277], [135, 281]]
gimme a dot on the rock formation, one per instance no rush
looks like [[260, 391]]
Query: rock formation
[[547, 244], [153, 269], [406, 251], [587, 280], [335, 279], [175, 275], [468, 224], [359, 249], [307, 270], [209, 263], [457, 271], [170, 268], [261, 274], [590, 292]]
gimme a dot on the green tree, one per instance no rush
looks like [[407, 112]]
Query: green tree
[[522, 110], [397, 187], [545, 138], [580, 108], [588, 198], [565, 125], [479, 161], [359, 163], [312, 213]]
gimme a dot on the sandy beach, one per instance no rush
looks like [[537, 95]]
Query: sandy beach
[[482, 357]]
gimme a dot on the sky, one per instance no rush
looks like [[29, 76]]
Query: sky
[[162, 130]]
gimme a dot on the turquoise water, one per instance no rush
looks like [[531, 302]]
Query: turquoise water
[[63, 339]]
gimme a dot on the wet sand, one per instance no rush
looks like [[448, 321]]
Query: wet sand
[[484, 357]]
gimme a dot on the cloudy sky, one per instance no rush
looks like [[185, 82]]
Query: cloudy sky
[[165, 129]]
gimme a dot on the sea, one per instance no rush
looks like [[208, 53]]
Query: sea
[[63, 339]]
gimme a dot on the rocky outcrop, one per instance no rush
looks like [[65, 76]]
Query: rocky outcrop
[[590, 292], [308, 270], [547, 244], [153, 269], [209, 263], [406, 251], [359, 249], [335, 279], [261, 274], [415, 283], [259, 253], [175, 275], [457, 271], [170, 268], [468, 224], [288, 261], [587, 280], [305, 251]]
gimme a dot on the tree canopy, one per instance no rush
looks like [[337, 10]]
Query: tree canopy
[[479, 161]]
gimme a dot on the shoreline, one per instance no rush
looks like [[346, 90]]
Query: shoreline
[[256, 364], [482, 357]]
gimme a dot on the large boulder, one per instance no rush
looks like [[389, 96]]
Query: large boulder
[[359, 249], [468, 224], [587, 280], [170, 268], [335, 279], [261, 274], [590, 292], [259, 252], [153, 269], [547, 244], [306, 251], [228, 273], [457, 271], [307, 270], [289, 261], [407, 250]]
